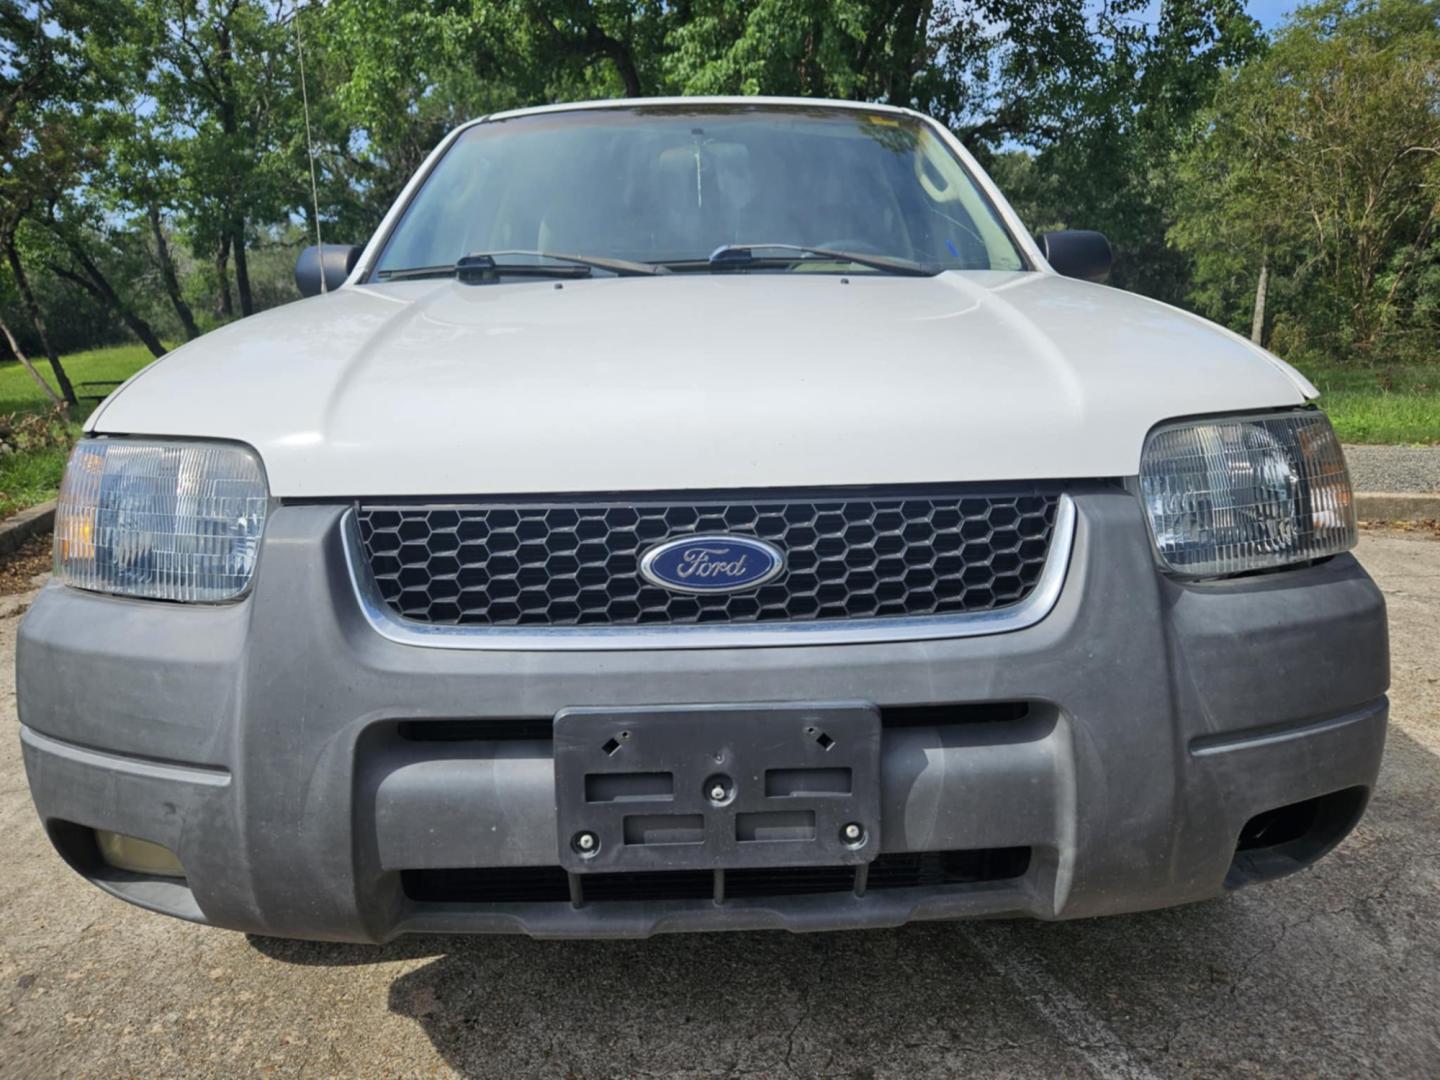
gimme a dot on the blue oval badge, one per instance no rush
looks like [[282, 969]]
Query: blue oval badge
[[721, 563]]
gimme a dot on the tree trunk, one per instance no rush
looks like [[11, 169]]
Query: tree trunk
[[229, 123], [222, 272], [910, 23], [94, 280], [27, 299], [20, 355], [629, 74], [597, 42], [1262, 287], [170, 278], [242, 268]]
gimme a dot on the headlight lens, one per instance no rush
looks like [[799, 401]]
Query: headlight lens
[[1231, 495], [161, 520]]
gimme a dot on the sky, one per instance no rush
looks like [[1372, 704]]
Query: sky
[[1269, 12]]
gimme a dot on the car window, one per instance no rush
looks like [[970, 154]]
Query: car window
[[670, 185]]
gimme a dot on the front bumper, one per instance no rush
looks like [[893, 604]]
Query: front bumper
[[272, 746]]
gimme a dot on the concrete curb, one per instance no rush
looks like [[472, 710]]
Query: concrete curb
[[18, 528], [1397, 506]]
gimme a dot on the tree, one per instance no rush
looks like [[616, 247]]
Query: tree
[[1124, 126], [19, 351], [1102, 95], [222, 76], [1320, 168], [40, 72], [439, 59], [142, 185], [1099, 97], [450, 61]]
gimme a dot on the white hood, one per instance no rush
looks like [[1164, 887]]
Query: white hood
[[698, 381]]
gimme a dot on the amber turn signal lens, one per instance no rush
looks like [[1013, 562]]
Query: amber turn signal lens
[[137, 856]]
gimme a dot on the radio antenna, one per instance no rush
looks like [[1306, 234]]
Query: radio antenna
[[310, 151]]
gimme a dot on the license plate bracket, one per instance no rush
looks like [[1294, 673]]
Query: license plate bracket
[[643, 784]]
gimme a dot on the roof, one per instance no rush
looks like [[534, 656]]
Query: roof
[[628, 103]]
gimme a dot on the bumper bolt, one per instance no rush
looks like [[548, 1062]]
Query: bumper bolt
[[719, 789], [852, 833], [586, 842]]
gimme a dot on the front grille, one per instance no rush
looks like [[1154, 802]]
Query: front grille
[[550, 884], [578, 564]]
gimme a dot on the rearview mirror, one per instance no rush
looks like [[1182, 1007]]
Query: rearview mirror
[[1077, 253], [332, 266]]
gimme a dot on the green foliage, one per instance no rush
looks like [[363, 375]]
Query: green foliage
[[29, 431], [30, 478], [1113, 169], [1322, 161]]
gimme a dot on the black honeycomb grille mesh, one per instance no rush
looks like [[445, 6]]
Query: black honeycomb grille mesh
[[575, 564]]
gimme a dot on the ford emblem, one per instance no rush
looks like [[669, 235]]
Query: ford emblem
[[723, 563]]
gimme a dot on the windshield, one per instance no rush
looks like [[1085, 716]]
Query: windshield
[[670, 185]]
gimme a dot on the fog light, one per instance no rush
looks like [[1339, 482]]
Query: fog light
[[137, 856]]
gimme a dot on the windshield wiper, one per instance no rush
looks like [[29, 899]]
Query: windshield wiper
[[742, 257], [483, 267], [411, 273]]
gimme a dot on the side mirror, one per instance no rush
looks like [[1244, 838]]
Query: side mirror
[[332, 265], [1077, 253]]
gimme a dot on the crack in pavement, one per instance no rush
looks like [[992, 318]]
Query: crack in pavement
[[1066, 1013]]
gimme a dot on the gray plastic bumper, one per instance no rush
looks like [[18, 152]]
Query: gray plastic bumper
[[262, 743]]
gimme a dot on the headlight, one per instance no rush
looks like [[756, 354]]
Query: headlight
[[162, 520], [1230, 495]]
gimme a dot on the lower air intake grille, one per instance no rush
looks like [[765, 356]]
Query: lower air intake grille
[[578, 564], [549, 884]]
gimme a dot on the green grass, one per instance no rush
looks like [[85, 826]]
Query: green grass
[[18, 392], [1398, 404], [29, 477]]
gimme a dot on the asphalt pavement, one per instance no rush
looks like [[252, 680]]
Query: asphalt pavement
[[1334, 972], [1394, 468]]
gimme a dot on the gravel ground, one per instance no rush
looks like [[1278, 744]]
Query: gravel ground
[[1394, 468], [1332, 973]]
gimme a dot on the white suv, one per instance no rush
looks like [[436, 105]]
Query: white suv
[[701, 514]]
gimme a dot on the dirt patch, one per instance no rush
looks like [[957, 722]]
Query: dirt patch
[[19, 569], [1429, 527]]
